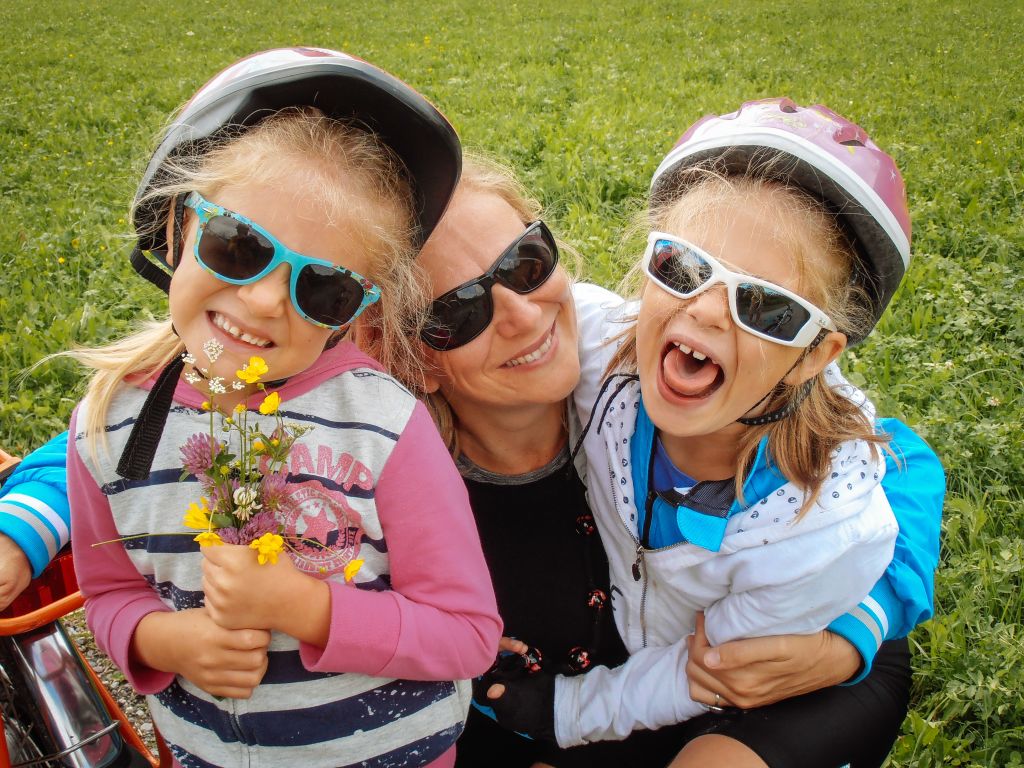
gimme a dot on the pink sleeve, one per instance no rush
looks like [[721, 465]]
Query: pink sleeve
[[116, 595], [440, 621]]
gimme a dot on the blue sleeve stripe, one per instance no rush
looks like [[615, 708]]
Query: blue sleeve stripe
[[878, 613], [30, 505]]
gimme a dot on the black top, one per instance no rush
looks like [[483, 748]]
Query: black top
[[549, 569]]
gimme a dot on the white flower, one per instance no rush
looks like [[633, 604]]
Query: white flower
[[237, 385], [994, 401], [246, 501], [217, 385], [189, 358], [212, 349], [193, 378]]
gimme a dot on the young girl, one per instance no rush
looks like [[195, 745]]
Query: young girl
[[333, 659], [731, 470]]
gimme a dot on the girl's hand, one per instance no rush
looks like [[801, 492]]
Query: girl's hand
[[753, 673], [513, 645], [242, 594], [223, 662], [15, 571]]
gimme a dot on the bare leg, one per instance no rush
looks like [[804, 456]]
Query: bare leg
[[715, 750]]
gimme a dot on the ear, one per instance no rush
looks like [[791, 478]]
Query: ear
[[815, 361], [431, 378]]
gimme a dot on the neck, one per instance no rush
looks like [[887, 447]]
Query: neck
[[705, 457], [515, 441]]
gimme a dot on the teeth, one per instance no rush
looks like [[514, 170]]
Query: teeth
[[537, 354], [221, 322], [687, 350]]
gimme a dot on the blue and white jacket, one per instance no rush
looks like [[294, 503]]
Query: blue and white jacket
[[768, 577]]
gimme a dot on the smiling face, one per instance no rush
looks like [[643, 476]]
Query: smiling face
[[258, 318], [527, 355], [700, 371]]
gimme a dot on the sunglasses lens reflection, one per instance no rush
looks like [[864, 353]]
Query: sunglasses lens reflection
[[326, 295], [769, 312], [233, 249]]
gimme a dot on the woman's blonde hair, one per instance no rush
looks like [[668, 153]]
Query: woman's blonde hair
[[484, 175], [355, 178], [801, 444]]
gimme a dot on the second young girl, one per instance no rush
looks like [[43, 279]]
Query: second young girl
[[284, 225], [730, 468]]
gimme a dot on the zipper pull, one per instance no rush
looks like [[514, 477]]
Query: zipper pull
[[636, 563]]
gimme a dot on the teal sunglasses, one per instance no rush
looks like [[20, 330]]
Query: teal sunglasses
[[239, 251]]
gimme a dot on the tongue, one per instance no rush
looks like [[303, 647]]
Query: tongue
[[686, 375]]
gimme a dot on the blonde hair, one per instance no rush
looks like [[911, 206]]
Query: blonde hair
[[801, 444], [483, 175], [355, 179]]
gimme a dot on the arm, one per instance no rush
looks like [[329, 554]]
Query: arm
[[439, 621], [34, 513], [134, 627], [116, 595], [915, 485]]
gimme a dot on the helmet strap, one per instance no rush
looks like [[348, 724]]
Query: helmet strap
[[137, 457], [802, 392]]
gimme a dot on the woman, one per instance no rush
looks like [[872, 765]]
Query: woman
[[504, 359], [498, 388]]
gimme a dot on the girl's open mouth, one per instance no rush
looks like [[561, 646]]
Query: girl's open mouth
[[689, 372]]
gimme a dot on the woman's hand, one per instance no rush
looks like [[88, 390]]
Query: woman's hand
[[242, 594], [223, 662], [753, 673]]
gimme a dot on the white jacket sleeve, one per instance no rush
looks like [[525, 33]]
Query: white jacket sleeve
[[796, 585], [800, 584], [648, 691]]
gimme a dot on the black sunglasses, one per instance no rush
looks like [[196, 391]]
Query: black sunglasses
[[463, 313]]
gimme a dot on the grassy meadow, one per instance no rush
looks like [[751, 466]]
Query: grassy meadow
[[584, 101]]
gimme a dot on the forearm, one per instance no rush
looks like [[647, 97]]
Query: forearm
[[439, 620], [648, 691]]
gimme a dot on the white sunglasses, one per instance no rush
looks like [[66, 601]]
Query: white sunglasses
[[762, 308]]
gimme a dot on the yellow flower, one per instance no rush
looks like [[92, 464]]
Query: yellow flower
[[268, 547], [258, 446], [251, 373], [275, 442], [270, 403], [208, 539], [225, 470], [206, 405], [240, 408], [352, 569], [198, 515]]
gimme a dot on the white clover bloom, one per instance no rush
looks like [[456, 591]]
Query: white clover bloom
[[246, 501], [212, 349]]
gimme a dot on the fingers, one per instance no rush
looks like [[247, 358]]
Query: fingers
[[513, 645], [496, 691]]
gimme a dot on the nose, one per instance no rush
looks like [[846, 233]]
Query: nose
[[514, 313], [710, 308], [269, 296]]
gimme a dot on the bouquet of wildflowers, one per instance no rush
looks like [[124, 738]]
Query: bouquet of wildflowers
[[240, 467]]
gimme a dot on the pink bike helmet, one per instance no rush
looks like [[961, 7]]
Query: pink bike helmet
[[340, 86], [832, 159]]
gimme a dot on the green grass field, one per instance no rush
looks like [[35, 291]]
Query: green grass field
[[584, 102]]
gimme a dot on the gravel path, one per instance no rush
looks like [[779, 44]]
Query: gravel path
[[133, 705]]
